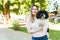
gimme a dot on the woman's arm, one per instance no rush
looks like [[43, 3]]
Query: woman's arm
[[36, 30], [29, 26], [31, 30]]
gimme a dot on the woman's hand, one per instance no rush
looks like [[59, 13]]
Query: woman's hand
[[31, 32], [36, 30], [41, 25]]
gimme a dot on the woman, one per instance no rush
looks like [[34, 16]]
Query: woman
[[32, 26]]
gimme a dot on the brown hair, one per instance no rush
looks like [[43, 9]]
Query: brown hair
[[31, 15]]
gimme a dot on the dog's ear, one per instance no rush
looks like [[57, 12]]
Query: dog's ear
[[46, 14], [39, 15]]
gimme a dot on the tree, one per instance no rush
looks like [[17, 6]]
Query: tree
[[4, 7], [33, 2], [22, 6], [8, 9], [43, 4]]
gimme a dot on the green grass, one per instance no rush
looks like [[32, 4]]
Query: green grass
[[54, 35], [23, 29], [52, 21]]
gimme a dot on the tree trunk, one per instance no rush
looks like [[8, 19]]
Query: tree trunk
[[4, 12], [8, 10], [8, 14], [4, 8]]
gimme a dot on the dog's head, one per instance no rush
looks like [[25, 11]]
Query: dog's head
[[42, 13]]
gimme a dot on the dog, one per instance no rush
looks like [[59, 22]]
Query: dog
[[42, 14]]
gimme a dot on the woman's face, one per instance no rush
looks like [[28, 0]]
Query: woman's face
[[34, 10]]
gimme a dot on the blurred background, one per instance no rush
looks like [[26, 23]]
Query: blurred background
[[13, 14]]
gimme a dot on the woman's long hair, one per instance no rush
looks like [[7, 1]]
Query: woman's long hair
[[31, 15]]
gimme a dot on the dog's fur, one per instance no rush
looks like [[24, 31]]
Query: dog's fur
[[41, 13]]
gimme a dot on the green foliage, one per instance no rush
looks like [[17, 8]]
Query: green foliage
[[1, 7], [43, 4], [15, 25], [52, 21], [56, 5], [15, 10], [8, 5], [23, 29], [23, 5]]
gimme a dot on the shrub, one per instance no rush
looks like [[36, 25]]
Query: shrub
[[15, 25]]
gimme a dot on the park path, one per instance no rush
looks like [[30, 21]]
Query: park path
[[9, 34]]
